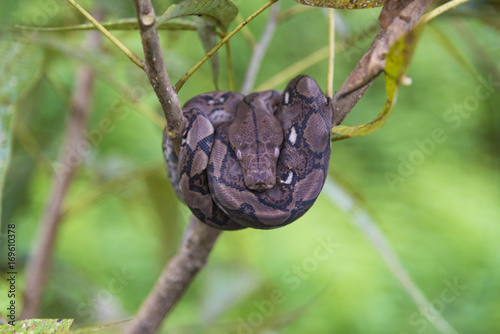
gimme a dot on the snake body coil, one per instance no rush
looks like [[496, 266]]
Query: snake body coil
[[255, 161]]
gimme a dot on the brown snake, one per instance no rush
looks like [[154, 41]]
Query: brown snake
[[255, 161]]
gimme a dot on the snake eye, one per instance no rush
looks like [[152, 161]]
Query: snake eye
[[238, 154], [276, 152]]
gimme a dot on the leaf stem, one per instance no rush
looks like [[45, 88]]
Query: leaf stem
[[136, 60], [440, 10], [121, 24], [210, 53], [246, 32]]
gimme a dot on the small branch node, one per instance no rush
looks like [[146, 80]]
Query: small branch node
[[148, 19]]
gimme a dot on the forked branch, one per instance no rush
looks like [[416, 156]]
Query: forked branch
[[199, 238], [397, 18]]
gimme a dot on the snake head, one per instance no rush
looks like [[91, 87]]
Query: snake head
[[256, 137]]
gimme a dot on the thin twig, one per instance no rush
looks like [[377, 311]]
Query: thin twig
[[362, 219], [441, 9], [38, 266], [210, 53], [136, 60], [245, 32], [154, 66], [260, 50], [121, 24], [176, 277]]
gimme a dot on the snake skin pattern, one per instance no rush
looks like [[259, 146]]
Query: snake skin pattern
[[256, 161]]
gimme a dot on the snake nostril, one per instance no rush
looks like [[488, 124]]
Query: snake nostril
[[261, 185], [260, 182]]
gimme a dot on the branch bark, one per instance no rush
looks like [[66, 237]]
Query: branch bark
[[199, 238], [176, 277], [38, 266], [397, 18], [154, 66]]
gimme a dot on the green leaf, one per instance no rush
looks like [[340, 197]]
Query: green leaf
[[20, 63], [38, 326], [343, 4], [208, 36], [397, 62], [222, 12], [93, 329], [122, 24]]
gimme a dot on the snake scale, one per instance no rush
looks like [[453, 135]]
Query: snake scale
[[256, 161]]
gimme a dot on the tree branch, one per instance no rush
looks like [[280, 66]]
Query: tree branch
[[39, 263], [397, 18], [260, 50], [154, 66], [199, 238], [176, 277]]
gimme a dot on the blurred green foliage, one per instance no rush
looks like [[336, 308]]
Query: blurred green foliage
[[122, 221]]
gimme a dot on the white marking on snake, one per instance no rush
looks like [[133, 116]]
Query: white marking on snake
[[220, 115], [293, 136], [287, 97], [289, 178]]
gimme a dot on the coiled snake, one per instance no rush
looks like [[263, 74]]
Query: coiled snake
[[255, 161]]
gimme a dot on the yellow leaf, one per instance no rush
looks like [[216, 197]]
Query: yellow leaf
[[397, 62]]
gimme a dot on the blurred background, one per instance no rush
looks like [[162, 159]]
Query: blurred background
[[429, 180]]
